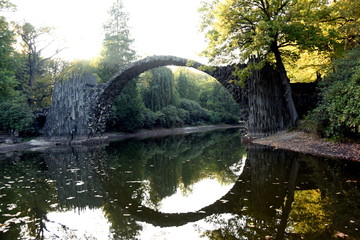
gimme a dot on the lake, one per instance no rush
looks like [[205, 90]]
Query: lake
[[193, 186]]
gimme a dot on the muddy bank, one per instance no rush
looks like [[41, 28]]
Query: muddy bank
[[305, 143], [43, 143]]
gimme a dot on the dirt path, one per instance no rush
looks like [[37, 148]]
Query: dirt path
[[305, 143]]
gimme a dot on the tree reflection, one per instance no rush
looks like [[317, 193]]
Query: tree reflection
[[279, 195], [332, 209], [142, 173], [292, 196], [25, 198], [173, 162]]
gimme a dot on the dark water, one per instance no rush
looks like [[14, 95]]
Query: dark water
[[195, 186]]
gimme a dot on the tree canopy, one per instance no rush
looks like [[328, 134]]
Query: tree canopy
[[238, 29], [276, 30], [117, 50]]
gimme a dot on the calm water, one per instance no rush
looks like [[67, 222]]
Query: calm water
[[194, 186]]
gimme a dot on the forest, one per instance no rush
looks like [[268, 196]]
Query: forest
[[163, 97], [306, 41]]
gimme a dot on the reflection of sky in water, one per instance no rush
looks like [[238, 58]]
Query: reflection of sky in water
[[80, 223], [190, 231], [92, 223], [204, 193], [114, 193]]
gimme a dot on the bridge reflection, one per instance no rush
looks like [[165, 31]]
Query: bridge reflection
[[128, 179], [268, 178]]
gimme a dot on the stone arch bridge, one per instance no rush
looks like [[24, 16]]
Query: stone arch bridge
[[81, 106]]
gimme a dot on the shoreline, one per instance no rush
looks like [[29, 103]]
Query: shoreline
[[296, 141], [41, 143]]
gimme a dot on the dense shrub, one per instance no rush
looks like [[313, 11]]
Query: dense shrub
[[15, 116], [196, 114], [172, 117], [338, 115], [149, 118], [126, 114]]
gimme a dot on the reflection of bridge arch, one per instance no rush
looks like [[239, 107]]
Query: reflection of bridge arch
[[229, 203], [260, 190], [114, 87]]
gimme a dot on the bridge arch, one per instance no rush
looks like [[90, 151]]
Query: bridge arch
[[113, 88], [80, 106]]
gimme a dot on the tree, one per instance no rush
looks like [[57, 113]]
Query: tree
[[342, 22], [117, 50], [7, 61], [36, 82], [160, 90], [127, 111], [186, 85], [238, 29], [339, 22]]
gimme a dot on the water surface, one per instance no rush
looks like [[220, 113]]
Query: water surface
[[193, 186]]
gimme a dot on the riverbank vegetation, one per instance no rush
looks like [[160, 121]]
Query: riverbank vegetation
[[304, 40], [163, 97]]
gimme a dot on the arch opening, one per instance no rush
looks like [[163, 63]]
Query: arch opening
[[116, 84]]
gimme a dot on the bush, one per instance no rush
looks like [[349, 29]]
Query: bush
[[15, 116], [126, 114], [172, 117], [149, 118], [338, 114], [196, 114]]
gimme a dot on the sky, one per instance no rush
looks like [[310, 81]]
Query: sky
[[159, 27]]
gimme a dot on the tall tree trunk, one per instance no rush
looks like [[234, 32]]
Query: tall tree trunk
[[286, 85]]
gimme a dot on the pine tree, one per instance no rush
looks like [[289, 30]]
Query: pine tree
[[117, 50]]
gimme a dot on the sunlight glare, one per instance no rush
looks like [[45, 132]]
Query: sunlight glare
[[159, 27]]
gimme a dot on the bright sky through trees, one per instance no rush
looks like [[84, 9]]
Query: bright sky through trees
[[159, 27]]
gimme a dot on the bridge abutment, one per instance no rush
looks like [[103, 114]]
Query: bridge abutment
[[72, 102]]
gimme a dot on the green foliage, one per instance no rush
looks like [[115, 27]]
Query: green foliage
[[338, 115], [162, 109], [15, 115], [195, 113], [239, 29], [117, 50], [170, 116], [149, 118], [7, 61], [36, 73], [5, 4], [187, 87], [160, 89], [127, 114]]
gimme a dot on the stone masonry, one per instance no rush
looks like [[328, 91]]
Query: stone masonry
[[81, 106]]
